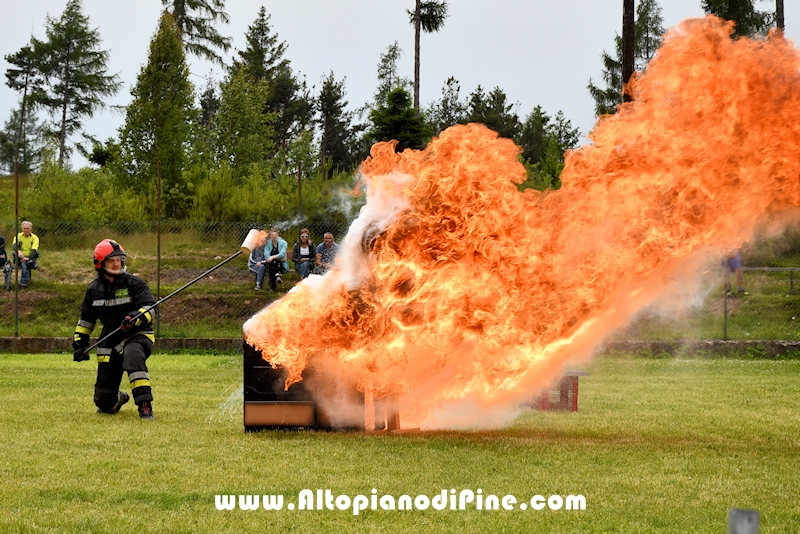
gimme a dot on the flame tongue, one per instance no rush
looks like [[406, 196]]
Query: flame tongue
[[454, 285]]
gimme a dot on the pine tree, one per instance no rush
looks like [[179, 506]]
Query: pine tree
[[743, 13], [494, 111], [399, 120], [448, 110], [648, 29], [75, 73], [158, 121], [195, 19], [337, 144], [428, 17]]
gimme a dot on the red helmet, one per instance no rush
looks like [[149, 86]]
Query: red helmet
[[108, 248]]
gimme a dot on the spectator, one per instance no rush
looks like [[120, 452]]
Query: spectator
[[257, 262], [326, 254], [26, 248], [304, 255], [4, 263], [276, 261], [732, 263]]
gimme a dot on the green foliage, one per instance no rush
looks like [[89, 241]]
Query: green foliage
[[743, 13], [389, 77], [494, 111], [337, 146], [398, 120], [449, 110], [648, 29], [432, 15], [263, 61], [30, 147], [243, 127], [195, 21], [157, 124], [74, 69], [56, 194]]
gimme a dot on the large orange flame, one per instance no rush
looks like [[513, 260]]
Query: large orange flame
[[454, 290]]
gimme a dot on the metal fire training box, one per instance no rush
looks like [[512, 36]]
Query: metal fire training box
[[333, 405]]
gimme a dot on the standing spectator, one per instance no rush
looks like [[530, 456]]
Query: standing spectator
[[257, 262], [732, 263], [26, 248], [304, 255], [326, 253], [276, 261], [5, 264]]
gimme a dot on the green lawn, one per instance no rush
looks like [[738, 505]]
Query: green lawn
[[658, 445]]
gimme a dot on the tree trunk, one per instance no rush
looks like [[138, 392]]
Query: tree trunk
[[62, 136], [627, 47], [416, 53], [779, 14]]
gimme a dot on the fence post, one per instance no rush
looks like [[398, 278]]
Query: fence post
[[725, 317], [158, 253], [791, 280]]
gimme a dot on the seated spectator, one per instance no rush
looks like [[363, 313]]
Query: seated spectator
[[26, 249], [326, 254], [304, 255], [4, 263], [276, 261], [257, 262]]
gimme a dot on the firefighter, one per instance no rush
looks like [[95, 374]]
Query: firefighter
[[117, 299]]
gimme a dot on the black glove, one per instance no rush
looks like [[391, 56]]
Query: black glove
[[133, 319], [79, 353]]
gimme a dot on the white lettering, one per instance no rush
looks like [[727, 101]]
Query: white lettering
[[248, 502], [225, 502], [537, 502], [273, 502], [404, 503], [360, 503], [576, 502], [306, 499], [508, 502], [421, 502], [492, 502], [387, 502], [440, 501], [464, 497], [555, 502], [342, 502]]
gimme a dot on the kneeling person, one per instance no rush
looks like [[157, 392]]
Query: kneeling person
[[117, 299]]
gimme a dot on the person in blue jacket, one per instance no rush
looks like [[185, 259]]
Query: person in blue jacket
[[275, 257]]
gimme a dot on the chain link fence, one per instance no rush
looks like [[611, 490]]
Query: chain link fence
[[166, 256], [218, 305]]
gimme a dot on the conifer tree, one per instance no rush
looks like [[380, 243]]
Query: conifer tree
[[75, 73], [158, 121], [195, 20]]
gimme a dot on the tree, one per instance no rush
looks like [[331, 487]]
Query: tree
[[429, 17], [648, 28], [337, 145], [22, 76], [263, 60], [628, 39], [544, 140], [29, 151], [449, 110], [195, 20], [244, 129], [494, 111], [263, 57], [742, 12], [389, 78], [158, 122], [399, 120], [74, 70]]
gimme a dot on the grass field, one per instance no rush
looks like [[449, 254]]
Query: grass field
[[658, 445]]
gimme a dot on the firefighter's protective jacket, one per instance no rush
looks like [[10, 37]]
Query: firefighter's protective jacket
[[110, 302]]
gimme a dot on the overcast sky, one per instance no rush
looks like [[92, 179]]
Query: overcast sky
[[539, 52]]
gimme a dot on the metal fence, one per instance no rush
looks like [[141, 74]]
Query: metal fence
[[217, 306], [167, 256]]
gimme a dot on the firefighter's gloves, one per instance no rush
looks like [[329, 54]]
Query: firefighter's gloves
[[79, 353], [134, 319]]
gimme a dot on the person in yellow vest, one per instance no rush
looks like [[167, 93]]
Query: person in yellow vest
[[26, 248]]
